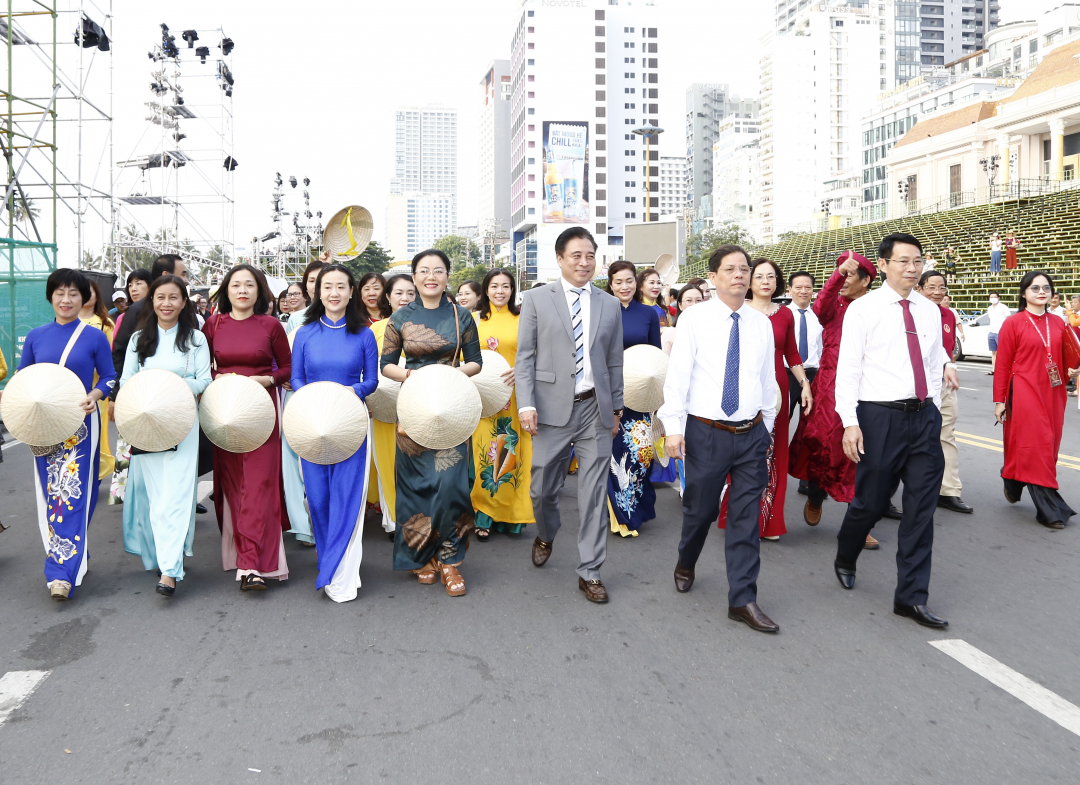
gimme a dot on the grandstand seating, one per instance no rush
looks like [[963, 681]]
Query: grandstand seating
[[1048, 228]]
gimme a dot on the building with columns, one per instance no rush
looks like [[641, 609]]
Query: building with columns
[[1024, 143]]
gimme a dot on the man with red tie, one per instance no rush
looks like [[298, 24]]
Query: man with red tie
[[888, 394]]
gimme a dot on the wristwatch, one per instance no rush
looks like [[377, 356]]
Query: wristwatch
[[618, 414]]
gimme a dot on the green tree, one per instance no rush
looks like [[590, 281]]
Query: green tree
[[703, 244], [26, 214], [374, 259], [475, 272], [462, 251]]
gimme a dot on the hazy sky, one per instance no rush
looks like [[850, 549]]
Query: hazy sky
[[317, 84]]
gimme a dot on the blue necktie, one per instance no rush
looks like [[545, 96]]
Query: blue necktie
[[579, 337], [730, 399], [804, 350]]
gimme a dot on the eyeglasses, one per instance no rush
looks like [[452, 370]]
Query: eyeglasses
[[769, 277], [425, 272], [294, 295], [907, 262], [1036, 288]]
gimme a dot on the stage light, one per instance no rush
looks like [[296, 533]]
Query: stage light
[[318, 214], [226, 46], [90, 34], [203, 52], [307, 214], [307, 181], [178, 136], [225, 74], [230, 163], [277, 179], [191, 36], [292, 181]]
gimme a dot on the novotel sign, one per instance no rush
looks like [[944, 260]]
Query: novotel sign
[[564, 4]]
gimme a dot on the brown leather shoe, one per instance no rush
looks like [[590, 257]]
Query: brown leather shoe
[[540, 552], [684, 578], [871, 544], [594, 590], [754, 618], [811, 514]]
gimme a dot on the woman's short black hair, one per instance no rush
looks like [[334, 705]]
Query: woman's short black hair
[[354, 320], [641, 276], [384, 312], [393, 279], [484, 306], [431, 252], [147, 343], [67, 276], [303, 291], [780, 289], [1028, 280], [617, 267], [474, 285], [690, 286], [264, 300], [313, 266], [141, 274]]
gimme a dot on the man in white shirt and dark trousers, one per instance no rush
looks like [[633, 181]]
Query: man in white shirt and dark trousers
[[888, 394], [808, 333], [998, 313], [720, 400]]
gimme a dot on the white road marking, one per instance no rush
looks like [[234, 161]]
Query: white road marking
[[971, 389], [11, 443], [15, 688], [1047, 703], [205, 487]]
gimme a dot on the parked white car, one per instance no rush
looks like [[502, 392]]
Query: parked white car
[[974, 342]]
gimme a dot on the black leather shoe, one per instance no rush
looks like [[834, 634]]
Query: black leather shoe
[[754, 618], [166, 591], [893, 512], [684, 578], [846, 575], [921, 614], [954, 503], [540, 552], [804, 489], [200, 508]]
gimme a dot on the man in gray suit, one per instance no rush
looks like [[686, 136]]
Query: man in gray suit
[[569, 380]]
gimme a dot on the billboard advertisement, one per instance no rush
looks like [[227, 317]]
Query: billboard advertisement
[[566, 172]]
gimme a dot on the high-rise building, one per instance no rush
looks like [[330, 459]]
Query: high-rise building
[[672, 184], [425, 171], [493, 218], [950, 29], [585, 74], [415, 221], [817, 82], [707, 105], [736, 175]]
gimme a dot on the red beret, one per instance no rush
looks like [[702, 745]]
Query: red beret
[[864, 263]]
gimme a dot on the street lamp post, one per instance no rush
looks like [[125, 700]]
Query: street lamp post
[[649, 132]]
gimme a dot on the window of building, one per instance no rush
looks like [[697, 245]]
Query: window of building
[[532, 45], [531, 110], [532, 211], [532, 94], [532, 29], [532, 161], [530, 61]]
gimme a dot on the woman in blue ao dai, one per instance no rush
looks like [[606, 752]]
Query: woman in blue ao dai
[[161, 491], [335, 345], [66, 474]]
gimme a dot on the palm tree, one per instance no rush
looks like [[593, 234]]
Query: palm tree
[[31, 212]]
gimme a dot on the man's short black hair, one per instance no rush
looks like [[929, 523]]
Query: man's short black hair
[[717, 256], [800, 274], [164, 264], [885, 249], [930, 274], [67, 276], [573, 233]]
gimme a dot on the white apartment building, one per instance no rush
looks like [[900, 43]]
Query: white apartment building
[[817, 82], [425, 172], [584, 74], [736, 175], [415, 221], [707, 105], [672, 185], [493, 217]]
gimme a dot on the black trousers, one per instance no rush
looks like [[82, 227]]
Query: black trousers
[[711, 456], [795, 390], [903, 446]]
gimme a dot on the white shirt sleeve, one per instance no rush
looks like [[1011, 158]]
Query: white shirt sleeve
[[849, 366], [770, 400], [677, 383]]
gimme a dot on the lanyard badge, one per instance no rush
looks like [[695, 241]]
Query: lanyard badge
[[1051, 367]]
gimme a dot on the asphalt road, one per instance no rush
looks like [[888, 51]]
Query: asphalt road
[[522, 680]]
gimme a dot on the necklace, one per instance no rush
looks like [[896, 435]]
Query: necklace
[[331, 326]]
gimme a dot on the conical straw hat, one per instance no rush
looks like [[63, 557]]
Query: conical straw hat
[[439, 407], [41, 404], [644, 371], [657, 438], [348, 233], [383, 402], [155, 410], [324, 422], [494, 393], [236, 413]]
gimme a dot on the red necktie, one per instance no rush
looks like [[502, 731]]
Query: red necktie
[[914, 352]]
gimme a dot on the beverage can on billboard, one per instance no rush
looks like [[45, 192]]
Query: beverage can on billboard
[[566, 172]]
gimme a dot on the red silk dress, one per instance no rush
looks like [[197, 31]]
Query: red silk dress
[[817, 453], [771, 520], [1035, 411], [249, 493]]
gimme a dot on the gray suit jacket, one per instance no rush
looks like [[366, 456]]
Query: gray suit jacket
[[545, 364]]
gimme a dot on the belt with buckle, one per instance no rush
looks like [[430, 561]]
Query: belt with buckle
[[907, 405], [584, 396], [732, 427]]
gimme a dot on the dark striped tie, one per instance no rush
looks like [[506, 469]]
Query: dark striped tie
[[579, 336]]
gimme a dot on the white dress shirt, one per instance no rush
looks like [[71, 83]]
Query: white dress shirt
[[998, 313], [813, 335], [695, 377], [874, 362], [1059, 312], [587, 292]]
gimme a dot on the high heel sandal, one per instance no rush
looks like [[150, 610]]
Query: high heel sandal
[[451, 579], [428, 573]]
